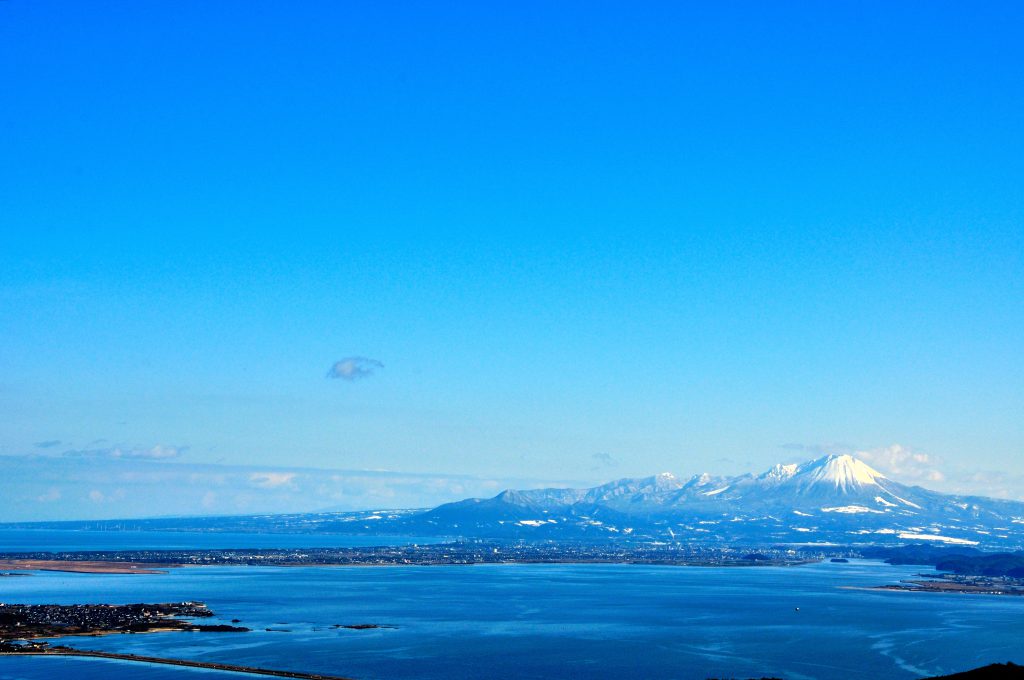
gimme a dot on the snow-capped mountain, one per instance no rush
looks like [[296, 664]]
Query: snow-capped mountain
[[834, 499]]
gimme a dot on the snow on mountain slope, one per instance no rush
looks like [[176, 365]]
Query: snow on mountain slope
[[833, 498], [779, 473], [843, 473]]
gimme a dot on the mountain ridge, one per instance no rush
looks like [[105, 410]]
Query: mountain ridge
[[834, 498]]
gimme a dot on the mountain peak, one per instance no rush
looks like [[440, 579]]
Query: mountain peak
[[703, 479], [665, 481], [842, 471], [780, 472]]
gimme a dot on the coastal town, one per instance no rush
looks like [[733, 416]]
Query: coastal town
[[31, 621], [457, 553]]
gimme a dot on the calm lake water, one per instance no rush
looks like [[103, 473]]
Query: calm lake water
[[547, 621]]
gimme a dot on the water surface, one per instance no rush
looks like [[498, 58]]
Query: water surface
[[552, 621]]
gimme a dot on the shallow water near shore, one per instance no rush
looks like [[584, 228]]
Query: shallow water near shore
[[546, 621]]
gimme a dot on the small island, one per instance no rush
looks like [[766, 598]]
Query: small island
[[364, 626]]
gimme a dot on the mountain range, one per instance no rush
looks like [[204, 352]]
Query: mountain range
[[833, 499], [836, 499]]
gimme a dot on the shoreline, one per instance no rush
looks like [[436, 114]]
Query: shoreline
[[206, 665], [927, 588], [149, 568], [86, 566]]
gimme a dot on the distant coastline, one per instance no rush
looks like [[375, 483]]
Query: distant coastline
[[968, 585], [447, 554]]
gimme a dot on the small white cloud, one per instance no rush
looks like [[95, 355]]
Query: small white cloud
[[271, 480], [97, 496], [53, 494], [354, 368], [903, 463]]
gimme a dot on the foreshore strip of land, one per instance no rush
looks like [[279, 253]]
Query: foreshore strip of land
[[946, 583], [84, 566], [232, 668]]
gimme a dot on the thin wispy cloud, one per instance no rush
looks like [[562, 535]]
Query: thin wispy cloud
[[818, 449], [271, 480], [48, 444], [158, 452], [40, 487], [97, 496], [603, 460], [354, 368], [994, 483]]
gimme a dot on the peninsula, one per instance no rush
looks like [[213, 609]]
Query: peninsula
[[31, 621]]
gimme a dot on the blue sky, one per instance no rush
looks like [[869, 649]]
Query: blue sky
[[581, 241]]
